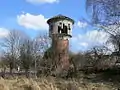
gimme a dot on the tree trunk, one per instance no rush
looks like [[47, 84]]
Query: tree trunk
[[11, 68], [11, 71], [3, 72], [27, 73]]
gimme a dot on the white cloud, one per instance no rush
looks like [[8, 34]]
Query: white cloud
[[89, 39], [81, 24], [36, 22], [96, 36], [84, 44], [42, 1], [3, 32]]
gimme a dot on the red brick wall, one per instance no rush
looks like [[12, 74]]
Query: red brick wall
[[60, 48]]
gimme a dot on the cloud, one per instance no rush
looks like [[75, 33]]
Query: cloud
[[42, 1], [84, 44], [3, 32], [81, 24], [89, 39], [29, 21]]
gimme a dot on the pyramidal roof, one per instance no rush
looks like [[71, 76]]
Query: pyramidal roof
[[59, 17]]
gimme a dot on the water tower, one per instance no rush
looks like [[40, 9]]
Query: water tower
[[60, 31]]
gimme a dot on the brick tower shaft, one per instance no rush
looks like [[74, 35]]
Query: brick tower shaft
[[61, 52]]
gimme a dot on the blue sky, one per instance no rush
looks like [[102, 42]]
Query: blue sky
[[30, 16]]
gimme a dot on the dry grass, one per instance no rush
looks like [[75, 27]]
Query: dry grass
[[50, 83]]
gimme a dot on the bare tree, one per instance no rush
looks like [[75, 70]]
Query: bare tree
[[104, 12], [26, 56], [105, 15], [40, 45], [115, 41], [10, 45], [98, 53], [31, 53]]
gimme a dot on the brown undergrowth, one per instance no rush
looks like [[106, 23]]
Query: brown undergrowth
[[51, 83]]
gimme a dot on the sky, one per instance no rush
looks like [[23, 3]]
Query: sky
[[30, 16]]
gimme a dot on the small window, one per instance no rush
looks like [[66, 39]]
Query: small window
[[69, 27], [51, 27], [60, 23], [64, 29], [60, 28]]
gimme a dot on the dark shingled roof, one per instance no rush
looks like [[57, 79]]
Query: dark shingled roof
[[60, 17]]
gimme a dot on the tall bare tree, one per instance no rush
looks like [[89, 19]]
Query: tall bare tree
[[40, 45], [32, 51], [103, 12], [26, 56], [11, 44], [105, 15]]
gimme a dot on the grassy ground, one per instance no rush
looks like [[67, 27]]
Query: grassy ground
[[51, 83]]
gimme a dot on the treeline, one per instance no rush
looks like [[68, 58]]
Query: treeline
[[21, 54]]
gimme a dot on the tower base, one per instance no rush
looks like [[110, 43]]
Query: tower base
[[60, 49]]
